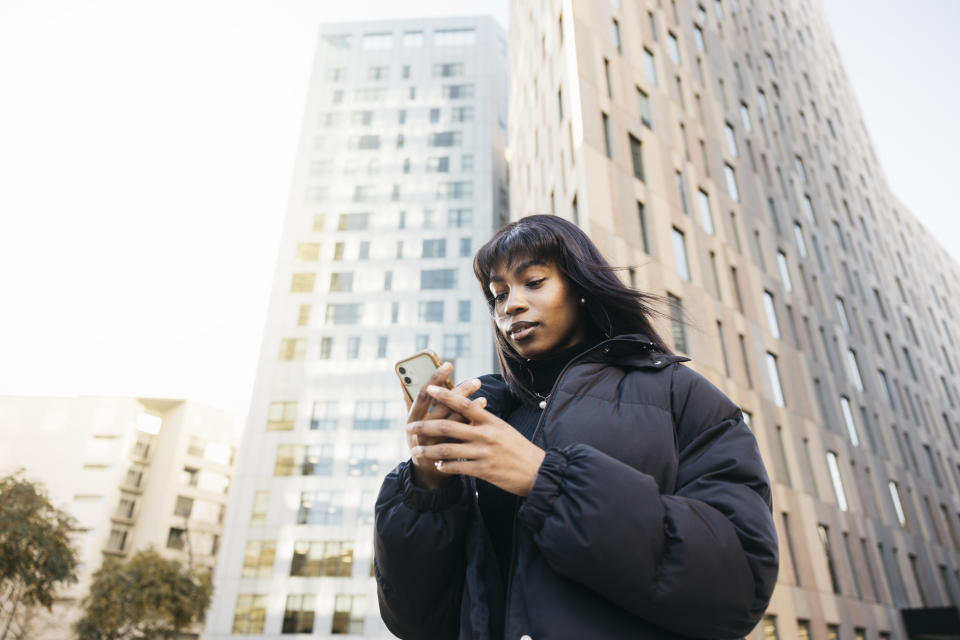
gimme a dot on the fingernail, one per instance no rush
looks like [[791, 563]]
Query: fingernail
[[475, 382], [417, 450], [432, 388]]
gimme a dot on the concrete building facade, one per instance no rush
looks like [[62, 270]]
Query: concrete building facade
[[715, 147], [135, 473], [400, 174]]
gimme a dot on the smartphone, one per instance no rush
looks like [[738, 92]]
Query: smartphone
[[415, 371]]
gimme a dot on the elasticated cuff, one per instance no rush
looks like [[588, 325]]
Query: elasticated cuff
[[545, 490], [420, 499]]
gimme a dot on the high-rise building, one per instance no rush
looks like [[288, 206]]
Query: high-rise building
[[716, 148], [134, 473], [400, 173]]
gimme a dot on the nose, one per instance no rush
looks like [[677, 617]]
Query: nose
[[515, 303]]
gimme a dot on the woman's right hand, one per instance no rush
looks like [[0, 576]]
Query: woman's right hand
[[425, 472]]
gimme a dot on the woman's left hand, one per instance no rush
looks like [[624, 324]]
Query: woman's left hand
[[489, 448]]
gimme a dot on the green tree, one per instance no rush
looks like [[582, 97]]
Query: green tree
[[147, 596], [36, 553]]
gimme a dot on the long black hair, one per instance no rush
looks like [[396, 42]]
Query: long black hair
[[611, 308]]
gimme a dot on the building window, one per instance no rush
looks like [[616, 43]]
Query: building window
[[854, 369], [676, 323], [463, 311], [320, 507], [302, 282], [773, 373], [745, 117], [447, 70], [459, 218], [364, 460], [455, 190], [771, 314], [258, 514], [177, 538], [326, 346], [837, 480], [341, 281], [118, 539], [431, 311], [303, 460], [650, 65], [897, 505], [848, 421], [642, 218], [803, 630], [371, 415], [293, 349], [454, 37], [328, 558], [798, 235], [770, 628], [438, 279], [636, 154], [298, 614], [281, 416], [606, 135], [376, 41], [706, 217], [324, 415], [422, 341], [434, 248], [353, 347], [462, 114], [466, 163], [348, 615], [824, 533], [731, 140], [456, 345], [616, 36], [457, 91], [698, 38], [784, 271], [249, 614], [381, 346], [343, 313], [731, 182], [643, 103], [412, 39], [680, 253], [258, 559], [673, 47], [444, 139]]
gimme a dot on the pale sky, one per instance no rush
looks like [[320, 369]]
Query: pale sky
[[147, 148]]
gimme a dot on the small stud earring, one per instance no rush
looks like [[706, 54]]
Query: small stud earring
[[583, 301]]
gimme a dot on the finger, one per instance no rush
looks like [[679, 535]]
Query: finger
[[462, 467], [463, 406], [447, 451], [422, 402], [442, 429]]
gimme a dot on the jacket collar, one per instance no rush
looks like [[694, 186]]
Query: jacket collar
[[630, 350]]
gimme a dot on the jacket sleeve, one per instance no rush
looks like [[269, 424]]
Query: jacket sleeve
[[419, 555], [701, 562]]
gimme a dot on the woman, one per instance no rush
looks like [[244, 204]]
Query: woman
[[596, 489]]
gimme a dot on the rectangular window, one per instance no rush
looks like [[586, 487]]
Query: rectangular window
[[444, 139], [434, 248], [698, 38], [320, 507], [250, 613], [322, 559], [459, 218], [381, 346], [770, 628], [773, 373], [643, 104], [731, 182], [824, 532], [454, 37], [897, 505], [731, 140], [650, 65], [706, 217], [412, 39], [341, 281], [353, 347], [293, 349], [642, 217], [438, 279], [326, 347], [463, 311], [784, 271], [745, 117], [676, 323], [636, 154], [343, 313], [837, 480], [324, 415], [680, 254], [298, 614], [673, 47], [258, 559], [461, 114], [456, 345], [376, 41], [431, 311], [457, 91], [348, 612], [454, 190], [606, 135], [681, 192], [848, 421], [302, 282], [616, 36], [281, 415], [606, 76], [371, 415], [771, 310], [447, 70]]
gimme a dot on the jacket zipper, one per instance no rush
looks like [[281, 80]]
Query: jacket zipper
[[536, 430]]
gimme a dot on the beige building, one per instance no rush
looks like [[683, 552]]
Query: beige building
[[133, 472], [715, 147]]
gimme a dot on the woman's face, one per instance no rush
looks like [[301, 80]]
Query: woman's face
[[535, 308]]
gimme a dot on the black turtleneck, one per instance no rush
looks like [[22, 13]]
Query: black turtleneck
[[498, 507]]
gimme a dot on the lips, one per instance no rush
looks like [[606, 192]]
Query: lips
[[521, 330]]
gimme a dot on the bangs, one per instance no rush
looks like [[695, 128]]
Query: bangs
[[517, 243]]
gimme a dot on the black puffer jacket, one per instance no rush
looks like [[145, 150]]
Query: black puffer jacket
[[650, 518]]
